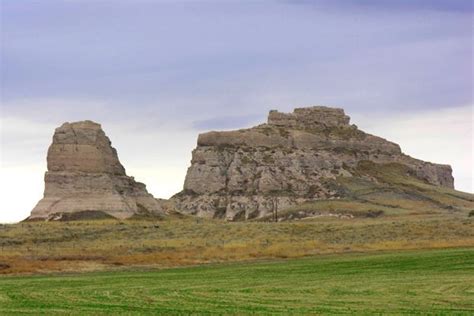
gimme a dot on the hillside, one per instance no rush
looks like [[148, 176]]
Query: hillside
[[177, 240], [382, 189]]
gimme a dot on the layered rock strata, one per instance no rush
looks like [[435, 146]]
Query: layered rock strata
[[85, 175], [294, 158]]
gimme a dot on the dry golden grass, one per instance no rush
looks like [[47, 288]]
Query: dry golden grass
[[41, 247]]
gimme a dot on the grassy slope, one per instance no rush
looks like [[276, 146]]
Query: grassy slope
[[436, 281], [387, 189]]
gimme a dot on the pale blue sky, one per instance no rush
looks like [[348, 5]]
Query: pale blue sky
[[178, 68]]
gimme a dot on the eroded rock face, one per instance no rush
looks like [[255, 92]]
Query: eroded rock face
[[85, 174], [292, 159]]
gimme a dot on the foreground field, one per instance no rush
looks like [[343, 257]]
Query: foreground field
[[436, 281]]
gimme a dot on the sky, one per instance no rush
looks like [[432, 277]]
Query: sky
[[155, 74]]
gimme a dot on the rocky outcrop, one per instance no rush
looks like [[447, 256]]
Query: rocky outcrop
[[85, 175], [294, 158]]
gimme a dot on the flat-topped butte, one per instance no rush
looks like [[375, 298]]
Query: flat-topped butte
[[292, 159]]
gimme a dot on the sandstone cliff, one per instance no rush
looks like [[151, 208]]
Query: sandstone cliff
[[294, 158], [85, 175]]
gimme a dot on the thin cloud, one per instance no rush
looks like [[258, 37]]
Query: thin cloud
[[458, 6]]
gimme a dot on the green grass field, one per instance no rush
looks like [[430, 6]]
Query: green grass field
[[413, 282]]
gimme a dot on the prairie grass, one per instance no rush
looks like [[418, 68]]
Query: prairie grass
[[43, 247]]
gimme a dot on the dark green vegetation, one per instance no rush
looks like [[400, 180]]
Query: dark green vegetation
[[411, 282]]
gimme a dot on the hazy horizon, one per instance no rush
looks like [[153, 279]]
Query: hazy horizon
[[157, 73]]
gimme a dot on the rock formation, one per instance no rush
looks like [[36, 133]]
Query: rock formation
[[85, 175], [292, 159]]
